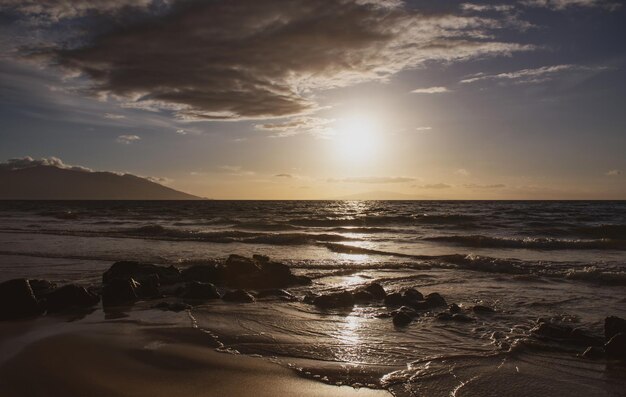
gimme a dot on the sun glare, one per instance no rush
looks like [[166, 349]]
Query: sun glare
[[357, 137]]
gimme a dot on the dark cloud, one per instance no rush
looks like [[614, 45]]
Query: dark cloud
[[283, 176], [261, 59], [373, 179]]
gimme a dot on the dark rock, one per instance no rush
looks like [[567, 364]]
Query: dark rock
[[310, 298], [480, 309], [149, 286], [17, 300], [402, 319], [68, 297], [412, 294], [279, 293], [377, 291], [198, 290], [565, 334], [454, 308], [435, 300], [336, 300], [363, 296], [593, 353], [41, 287], [120, 291], [178, 306], [462, 318], [259, 273], [237, 266], [616, 347], [139, 271], [238, 296], [444, 316], [612, 326], [394, 299], [406, 310], [211, 273]]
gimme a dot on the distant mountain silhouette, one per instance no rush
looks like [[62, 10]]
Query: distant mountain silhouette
[[48, 182]]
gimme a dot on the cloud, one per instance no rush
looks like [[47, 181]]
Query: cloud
[[423, 128], [487, 7], [430, 90], [435, 186], [112, 116], [315, 126], [475, 186], [531, 76], [56, 10], [462, 172], [254, 59], [613, 173], [235, 170], [28, 162], [283, 176], [373, 179], [127, 139], [564, 4]]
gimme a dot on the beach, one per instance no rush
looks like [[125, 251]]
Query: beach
[[322, 298]]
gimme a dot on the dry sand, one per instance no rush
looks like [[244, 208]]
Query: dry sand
[[121, 360]]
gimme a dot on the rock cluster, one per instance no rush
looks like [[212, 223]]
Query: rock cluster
[[127, 282]]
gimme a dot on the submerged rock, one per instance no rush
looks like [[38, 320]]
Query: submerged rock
[[199, 290], [333, 301], [616, 347], [239, 295], [462, 318], [17, 300], [394, 299], [363, 296], [593, 353], [402, 319], [480, 309], [435, 300], [454, 308], [70, 296], [613, 325], [377, 291], [562, 333], [41, 287], [279, 293]]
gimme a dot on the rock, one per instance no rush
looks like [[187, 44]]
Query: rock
[[149, 287], [261, 258], [616, 347], [259, 273], [480, 309], [336, 300], [394, 299], [279, 293], [593, 353], [565, 334], [402, 319], [612, 326], [120, 291], [238, 296], [68, 297], [17, 300], [310, 298], [454, 308], [377, 291], [211, 273], [462, 318], [198, 290], [140, 271], [41, 287], [178, 306], [412, 294], [435, 300], [443, 316], [363, 296]]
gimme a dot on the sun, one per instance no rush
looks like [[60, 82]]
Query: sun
[[357, 137]]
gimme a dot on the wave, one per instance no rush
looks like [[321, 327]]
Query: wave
[[386, 220], [543, 243]]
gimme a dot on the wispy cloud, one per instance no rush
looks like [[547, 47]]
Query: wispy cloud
[[373, 179], [430, 90], [28, 162], [283, 176], [315, 126], [613, 173], [564, 4], [477, 186], [422, 129], [435, 186], [531, 76], [462, 172], [112, 116], [487, 7], [127, 139]]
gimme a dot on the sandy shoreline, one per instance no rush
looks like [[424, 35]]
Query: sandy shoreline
[[119, 359]]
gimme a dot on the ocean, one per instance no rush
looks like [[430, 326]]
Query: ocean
[[557, 262]]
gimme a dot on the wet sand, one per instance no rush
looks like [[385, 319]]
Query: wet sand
[[122, 360]]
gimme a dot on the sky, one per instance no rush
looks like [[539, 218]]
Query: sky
[[324, 99]]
